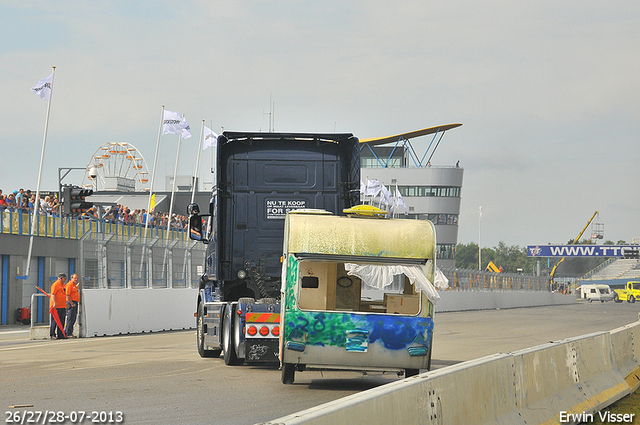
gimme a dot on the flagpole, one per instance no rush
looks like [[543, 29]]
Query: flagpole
[[153, 173], [214, 161], [37, 203], [195, 176], [395, 202], [479, 243], [173, 188]]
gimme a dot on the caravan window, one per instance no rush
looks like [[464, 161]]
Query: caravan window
[[328, 286]]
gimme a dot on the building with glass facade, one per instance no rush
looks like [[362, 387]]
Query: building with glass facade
[[430, 192]]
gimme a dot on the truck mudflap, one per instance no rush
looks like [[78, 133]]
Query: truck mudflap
[[261, 350], [262, 330]]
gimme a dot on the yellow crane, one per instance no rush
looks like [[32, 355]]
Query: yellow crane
[[575, 241]]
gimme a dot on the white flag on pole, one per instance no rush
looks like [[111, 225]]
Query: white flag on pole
[[173, 123], [210, 139], [373, 187], [398, 202], [186, 130], [385, 196], [43, 88]]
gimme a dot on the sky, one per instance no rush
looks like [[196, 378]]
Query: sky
[[548, 93]]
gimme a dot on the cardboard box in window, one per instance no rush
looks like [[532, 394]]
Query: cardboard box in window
[[402, 304]]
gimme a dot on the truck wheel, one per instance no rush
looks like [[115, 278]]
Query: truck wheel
[[230, 357], [288, 373], [200, 335], [616, 298], [411, 372], [632, 299]]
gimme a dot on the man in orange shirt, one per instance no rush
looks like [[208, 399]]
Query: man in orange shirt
[[58, 301], [73, 299]]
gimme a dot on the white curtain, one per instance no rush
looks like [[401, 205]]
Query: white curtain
[[381, 276]]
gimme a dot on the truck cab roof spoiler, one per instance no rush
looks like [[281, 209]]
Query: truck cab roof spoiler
[[257, 136]]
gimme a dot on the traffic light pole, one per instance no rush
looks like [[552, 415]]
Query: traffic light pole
[[60, 200], [61, 177]]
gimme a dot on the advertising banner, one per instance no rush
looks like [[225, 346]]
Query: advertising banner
[[582, 250], [277, 209]]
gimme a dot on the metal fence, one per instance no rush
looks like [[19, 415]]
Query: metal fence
[[113, 261], [475, 280], [17, 222]]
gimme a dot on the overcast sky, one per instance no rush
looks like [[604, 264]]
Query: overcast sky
[[548, 92]]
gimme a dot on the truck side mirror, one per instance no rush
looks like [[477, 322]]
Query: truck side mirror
[[195, 223], [195, 227]]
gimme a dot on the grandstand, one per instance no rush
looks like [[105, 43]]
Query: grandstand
[[615, 269]]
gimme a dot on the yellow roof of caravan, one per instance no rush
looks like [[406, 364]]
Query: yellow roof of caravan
[[366, 237]]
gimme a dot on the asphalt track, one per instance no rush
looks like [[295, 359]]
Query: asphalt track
[[159, 378]]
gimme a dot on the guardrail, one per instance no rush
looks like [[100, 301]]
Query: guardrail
[[566, 381], [476, 280]]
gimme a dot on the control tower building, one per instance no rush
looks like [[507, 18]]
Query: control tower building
[[430, 192]]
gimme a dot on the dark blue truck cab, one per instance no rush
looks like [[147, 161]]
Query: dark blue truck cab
[[259, 177]]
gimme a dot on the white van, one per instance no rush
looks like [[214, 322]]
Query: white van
[[595, 292]]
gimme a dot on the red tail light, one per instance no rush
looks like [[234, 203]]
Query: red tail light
[[252, 330], [276, 331], [264, 331]]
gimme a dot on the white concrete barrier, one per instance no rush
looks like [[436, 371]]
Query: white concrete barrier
[[123, 311], [625, 351], [489, 300], [545, 384], [574, 377], [478, 391]]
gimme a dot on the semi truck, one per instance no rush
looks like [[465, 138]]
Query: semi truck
[[259, 177]]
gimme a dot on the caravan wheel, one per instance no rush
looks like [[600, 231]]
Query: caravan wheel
[[288, 373]]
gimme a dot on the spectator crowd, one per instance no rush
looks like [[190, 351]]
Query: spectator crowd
[[21, 200], [24, 201]]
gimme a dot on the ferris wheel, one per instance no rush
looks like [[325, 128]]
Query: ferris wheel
[[117, 166]]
